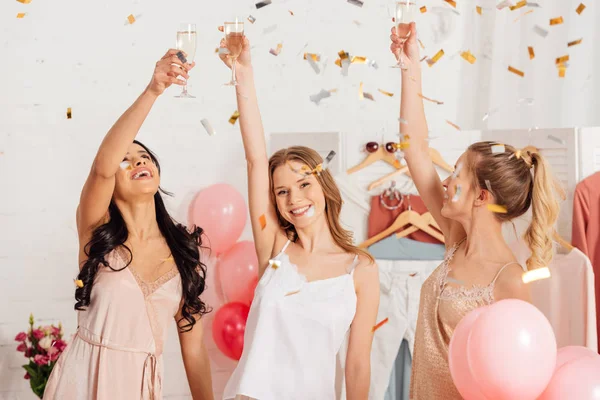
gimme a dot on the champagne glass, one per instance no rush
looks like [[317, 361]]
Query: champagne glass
[[234, 40], [186, 41], [405, 14]]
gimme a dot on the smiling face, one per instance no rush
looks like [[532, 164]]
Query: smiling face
[[138, 174], [299, 198]]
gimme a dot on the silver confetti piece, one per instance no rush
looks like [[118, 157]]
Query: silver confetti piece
[[323, 94], [535, 5], [504, 4], [223, 50], [557, 139], [262, 4], [498, 148], [208, 127], [457, 171], [457, 194], [251, 19], [368, 96], [125, 165], [328, 159], [313, 64], [357, 3], [540, 31], [488, 185], [403, 121], [345, 66], [527, 101]]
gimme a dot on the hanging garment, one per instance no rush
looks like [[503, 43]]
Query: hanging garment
[[393, 248], [399, 386]]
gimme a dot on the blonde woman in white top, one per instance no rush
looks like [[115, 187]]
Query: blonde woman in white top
[[314, 287]]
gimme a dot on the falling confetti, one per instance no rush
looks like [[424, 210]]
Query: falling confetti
[[562, 60], [431, 100], [277, 50], [457, 171], [208, 127], [262, 4], [315, 57], [580, 8], [274, 264], [488, 185], [314, 66], [522, 15], [234, 117], [368, 96], [69, 115], [263, 222], [357, 3], [540, 31], [21, 15], [358, 60], [222, 50], [181, 57], [451, 2], [79, 283], [520, 4], [534, 5], [557, 139], [251, 19], [556, 21], [389, 94], [531, 52], [496, 208], [498, 148], [423, 9], [344, 62], [478, 9], [435, 58], [516, 71], [323, 94], [470, 58], [502, 5], [380, 324], [360, 91], [291, 12], [574, 42], [291, 293], [421, 44], [562, 69], [453, 125], [536, 275], [24, 1], [457, 192], [125, 165], [131, 19]]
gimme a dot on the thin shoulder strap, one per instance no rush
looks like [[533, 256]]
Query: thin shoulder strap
[[353, 265], [502, 269], [284, 248]]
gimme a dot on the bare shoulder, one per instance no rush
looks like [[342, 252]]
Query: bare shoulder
[[510, 285], [366, 272]]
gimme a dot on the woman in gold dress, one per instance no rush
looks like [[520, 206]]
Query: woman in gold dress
[[479, 267]]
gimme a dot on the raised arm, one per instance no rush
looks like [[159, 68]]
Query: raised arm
[[99, 186], [262, 213], [414, 124]]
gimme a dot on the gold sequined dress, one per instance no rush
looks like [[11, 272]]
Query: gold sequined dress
[[441, 308]]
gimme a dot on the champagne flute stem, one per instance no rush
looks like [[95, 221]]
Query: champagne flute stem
[[233, 80]]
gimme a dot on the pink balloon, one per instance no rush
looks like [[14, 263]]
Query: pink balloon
[[578, 379], [219, 210], [512, 351], [228, 329], [568, 354], [459, 364], [238, 270]]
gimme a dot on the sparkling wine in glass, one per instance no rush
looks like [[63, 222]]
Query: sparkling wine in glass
[[186, 41], [405, 14], [234, 40]]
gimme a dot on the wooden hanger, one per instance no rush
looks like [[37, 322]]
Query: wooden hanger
[[379, 155], [428, 218], [436, 157], [408, 217]]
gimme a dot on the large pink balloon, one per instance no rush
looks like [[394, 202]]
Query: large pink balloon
[[568, 354], [512, 351], [238, 270], [459, 364], [578, 379], [228, 329], [219, 210]]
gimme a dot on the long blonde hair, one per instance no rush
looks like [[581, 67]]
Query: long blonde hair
[[507, 175], [333, 197]]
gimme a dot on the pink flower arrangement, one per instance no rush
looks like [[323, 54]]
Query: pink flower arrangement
[[42, 346]]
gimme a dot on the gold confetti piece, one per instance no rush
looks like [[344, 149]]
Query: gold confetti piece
[[315, 57], [556, 21], [358, 60], [131, 18], [274, 264], [516, 71], [580, 8], [216, 49], [574, 42], [79, 283], [263, 222], [423, 9], [562, 60], [536, 274], [276, 51], [431, 100], [520, 4], [468, 56], [496, 208], [478, 9], [234, 117], [522, 15], [343, 55], [21, 15], [451, 2], [360, 91], [562, 69], [291, 293], [251, 19], [69, 115], [379, 325], [291, 12], [397, 164], [24, 1], [421, 44], [531, 53], [386, 93], [435, 58], [338, 62], [453, 125]]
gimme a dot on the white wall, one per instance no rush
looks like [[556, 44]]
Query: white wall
[[76, 54]]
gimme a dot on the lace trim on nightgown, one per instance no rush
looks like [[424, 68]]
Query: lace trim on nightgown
[[475, 292]]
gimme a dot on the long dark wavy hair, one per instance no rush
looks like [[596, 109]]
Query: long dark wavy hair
[[184, 246]]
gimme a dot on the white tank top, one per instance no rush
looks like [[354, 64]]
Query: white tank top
[[293, 333]]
